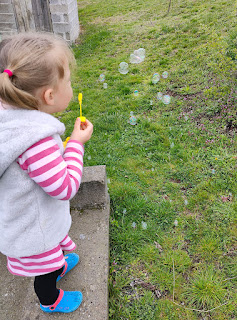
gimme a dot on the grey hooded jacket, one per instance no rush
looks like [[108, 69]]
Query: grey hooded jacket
[[31, 221]]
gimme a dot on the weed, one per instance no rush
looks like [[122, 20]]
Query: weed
[[206, 289]]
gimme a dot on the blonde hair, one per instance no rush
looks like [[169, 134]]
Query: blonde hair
[[36, 60]]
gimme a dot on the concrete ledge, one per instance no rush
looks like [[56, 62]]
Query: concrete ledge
[[93, 190], [90, 231]]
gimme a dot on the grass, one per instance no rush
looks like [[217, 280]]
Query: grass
[[172, 176]]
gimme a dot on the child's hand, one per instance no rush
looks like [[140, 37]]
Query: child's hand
[[82, 131]]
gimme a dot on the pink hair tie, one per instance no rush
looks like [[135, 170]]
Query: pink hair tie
[[9, 72]]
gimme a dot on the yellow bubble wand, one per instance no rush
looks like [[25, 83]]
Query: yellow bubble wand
[[83, 119]]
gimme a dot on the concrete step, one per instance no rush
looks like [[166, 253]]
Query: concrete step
[[90, 231]]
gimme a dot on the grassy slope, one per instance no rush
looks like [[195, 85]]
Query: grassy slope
[[177, 163]]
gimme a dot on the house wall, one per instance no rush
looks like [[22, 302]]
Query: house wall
[[58, 16], [64, 15], [7, 18]]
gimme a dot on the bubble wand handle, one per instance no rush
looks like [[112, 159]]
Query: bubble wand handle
[[83, 119]]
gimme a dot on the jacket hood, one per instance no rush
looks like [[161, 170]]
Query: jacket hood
[[20, 129]]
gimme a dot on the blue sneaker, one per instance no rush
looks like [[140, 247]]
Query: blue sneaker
[[68, 301], [71, 260]]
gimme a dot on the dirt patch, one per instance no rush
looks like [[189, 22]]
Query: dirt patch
[[175, 180], [119, 19], [147, 286], [83, 4], [186, 96]]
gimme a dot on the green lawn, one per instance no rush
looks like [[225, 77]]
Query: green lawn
[[172, 176]]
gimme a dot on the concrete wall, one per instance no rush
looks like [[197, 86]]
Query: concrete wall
[[24, 15], [64, 15]]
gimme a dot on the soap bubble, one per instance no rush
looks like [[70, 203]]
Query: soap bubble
[[123, 68], [134, 225], [132, 120], [138, 56], [165, 74], [159, 96], [134, 59], [105, 85], [155, 78], [102, 77], [141, 52], [136, 93], [144, 225], [166, 99]]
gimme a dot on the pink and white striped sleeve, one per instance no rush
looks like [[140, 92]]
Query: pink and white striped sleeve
[[58, 175]]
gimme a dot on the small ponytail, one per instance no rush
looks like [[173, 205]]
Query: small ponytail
[[36, 60], [10, 94]]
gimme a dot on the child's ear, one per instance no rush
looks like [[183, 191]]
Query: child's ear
[[48, 96]]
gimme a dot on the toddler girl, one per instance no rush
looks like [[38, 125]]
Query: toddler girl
[[37, 176]]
